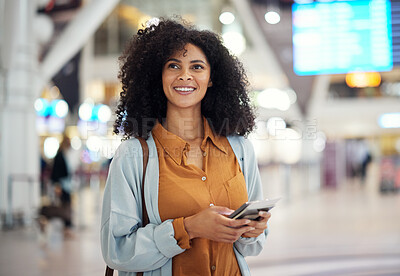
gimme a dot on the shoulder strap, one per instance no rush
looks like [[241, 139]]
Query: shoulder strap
[[145, 217], [145, 149], [109, 271]]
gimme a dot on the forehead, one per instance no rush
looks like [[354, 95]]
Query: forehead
[[190, 51]]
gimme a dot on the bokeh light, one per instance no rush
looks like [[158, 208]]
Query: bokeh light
[[320, 142], [85, 111], [272, 17], [227, 18], [76, 143], [104, 113], [42, 107], [389, 120], [93, 143], [235, 42], [50, 147], [273, 98], [275, 125], [60, 108]]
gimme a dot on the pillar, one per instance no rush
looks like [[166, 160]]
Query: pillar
[[19, 160]]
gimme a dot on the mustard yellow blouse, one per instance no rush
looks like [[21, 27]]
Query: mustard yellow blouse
[[185, 189]]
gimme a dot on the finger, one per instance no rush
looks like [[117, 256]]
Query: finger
[[263, 218], [235, 223], [250, 235], [237, 232], [241, 231], [253, 223], [234, 236], [260, 225], [241, 222], [222, 210], [253, 234], [257, 223], [249, 229], [264, 215]]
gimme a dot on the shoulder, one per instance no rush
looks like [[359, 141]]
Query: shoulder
[[128, 149], [236, 139], [243, 149], [127, 158], [240, 143]]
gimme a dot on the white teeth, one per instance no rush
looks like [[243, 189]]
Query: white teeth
[[184, 89]]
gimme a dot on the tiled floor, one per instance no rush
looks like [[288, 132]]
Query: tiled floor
[[350, 230]]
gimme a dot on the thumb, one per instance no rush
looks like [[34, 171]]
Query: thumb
[[222, 210]]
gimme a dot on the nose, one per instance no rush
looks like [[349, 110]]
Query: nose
[[185, 75]]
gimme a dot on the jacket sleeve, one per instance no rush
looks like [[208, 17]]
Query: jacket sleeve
[[125, 245], [251, 246]]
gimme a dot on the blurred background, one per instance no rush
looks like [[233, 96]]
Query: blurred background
[[325, 78]]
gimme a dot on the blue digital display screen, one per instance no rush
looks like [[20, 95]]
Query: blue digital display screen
[[396, 31], [342, 36]]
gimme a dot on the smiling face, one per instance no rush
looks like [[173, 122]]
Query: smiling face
[[186, 77]]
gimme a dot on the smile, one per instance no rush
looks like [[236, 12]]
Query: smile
[[184, 90]]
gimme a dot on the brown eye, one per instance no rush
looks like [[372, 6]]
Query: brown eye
[[173, 66]]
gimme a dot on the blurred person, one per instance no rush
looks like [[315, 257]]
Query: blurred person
[[61, 181], [187, 96], [44, 175], [359, 156], [362, 157], [367, 159]]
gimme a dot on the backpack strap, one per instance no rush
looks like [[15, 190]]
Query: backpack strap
[[145, 217]]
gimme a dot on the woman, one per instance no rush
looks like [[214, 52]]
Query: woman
[[185, 94], [61, 181]]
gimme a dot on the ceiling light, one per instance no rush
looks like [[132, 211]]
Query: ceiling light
[[227, 18], [272, 17]]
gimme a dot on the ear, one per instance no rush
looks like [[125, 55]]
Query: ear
[[210, 83]]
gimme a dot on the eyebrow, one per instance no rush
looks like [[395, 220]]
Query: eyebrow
[[192, 61]]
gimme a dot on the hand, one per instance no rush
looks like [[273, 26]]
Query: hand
[[259, 225], [213, 224]]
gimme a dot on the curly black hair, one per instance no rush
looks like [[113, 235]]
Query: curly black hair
[[226, 104]]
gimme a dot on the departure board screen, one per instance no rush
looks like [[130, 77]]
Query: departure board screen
[[342, 36], [396, 32]]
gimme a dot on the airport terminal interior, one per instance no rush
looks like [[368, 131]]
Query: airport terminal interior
[[324, 79]]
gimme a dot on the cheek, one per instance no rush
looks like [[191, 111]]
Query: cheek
[[204, 80], [166, 80]]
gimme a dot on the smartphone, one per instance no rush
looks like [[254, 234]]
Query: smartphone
[[249, 210]]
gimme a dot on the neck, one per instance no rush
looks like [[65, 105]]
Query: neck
[[187, 124]]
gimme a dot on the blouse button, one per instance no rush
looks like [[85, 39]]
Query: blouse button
[[204, 154], [213, 267], [204, 178]]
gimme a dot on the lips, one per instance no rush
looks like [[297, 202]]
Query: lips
[[184, 90]]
